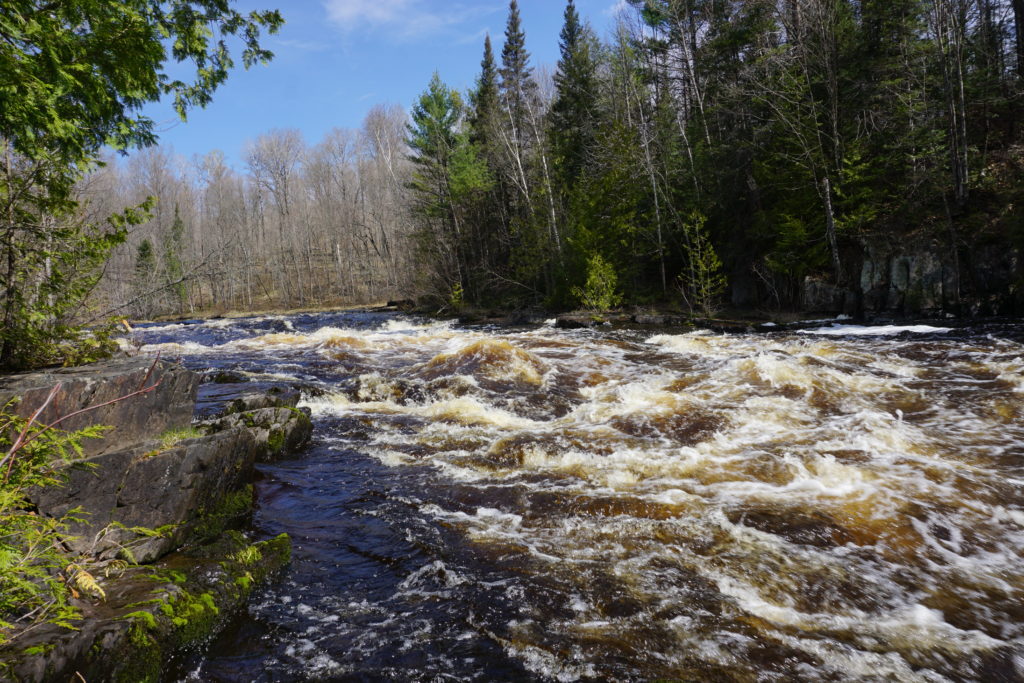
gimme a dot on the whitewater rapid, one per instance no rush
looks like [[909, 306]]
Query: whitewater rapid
[[843, 503]]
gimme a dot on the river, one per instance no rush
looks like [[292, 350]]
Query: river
[[486, 503]]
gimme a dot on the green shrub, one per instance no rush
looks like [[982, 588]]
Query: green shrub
[[702, 281], [37, 576], [600, 293]]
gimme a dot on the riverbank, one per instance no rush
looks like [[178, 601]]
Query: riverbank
[[159, 512]]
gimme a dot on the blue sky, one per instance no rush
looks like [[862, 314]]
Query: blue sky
[[335, 59]]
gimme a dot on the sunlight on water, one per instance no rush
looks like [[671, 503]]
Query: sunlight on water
[[700, 506]]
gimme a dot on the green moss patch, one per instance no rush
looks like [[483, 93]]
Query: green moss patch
[[197, 594]]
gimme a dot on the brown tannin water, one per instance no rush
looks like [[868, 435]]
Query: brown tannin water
[[543, 504]]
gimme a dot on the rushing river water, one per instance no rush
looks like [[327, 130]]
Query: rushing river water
[[542, 504]]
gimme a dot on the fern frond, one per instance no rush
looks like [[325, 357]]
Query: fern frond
[[85, 581], [8, 557], [115, 568]]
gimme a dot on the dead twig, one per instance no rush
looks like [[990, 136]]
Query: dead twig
[[20, 442]]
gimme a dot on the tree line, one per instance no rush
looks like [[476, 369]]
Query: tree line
[[713, 147], [299, 225], [703, 151]]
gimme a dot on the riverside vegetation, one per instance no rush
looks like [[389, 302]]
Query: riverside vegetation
[[704, 150], [75, 75], [767, 154], [99, 575]]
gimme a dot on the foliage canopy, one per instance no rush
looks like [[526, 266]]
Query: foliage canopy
[[76, 72], [74, 76]]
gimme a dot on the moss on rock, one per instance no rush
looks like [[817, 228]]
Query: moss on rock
[[189, 613], [231, 510], [154, 615]]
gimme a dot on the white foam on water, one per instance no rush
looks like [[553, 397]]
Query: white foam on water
[[694, 343], [172, 349], [855, 664], [169, 327], [473, 411], [909, 461], [550, 665], [876, 330], [1011, 372], [913, 625], [431, 580], [220, 323]]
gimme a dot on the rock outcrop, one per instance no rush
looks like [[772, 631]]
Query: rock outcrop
[[922, 278], [152, 616], [162, 491], [168, 406], [275, 431], [168, 489]]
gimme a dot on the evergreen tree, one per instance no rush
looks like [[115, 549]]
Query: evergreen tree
[[485, 100], [783, 137], [449, 176], [524, 166], [488, 220], [518, 90], [145, 262], [174, 269], [572, 113]]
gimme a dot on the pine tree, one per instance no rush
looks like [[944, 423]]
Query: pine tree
[[525, 166], [572, 112], [145, 261], [487, 224], [485, 100], [449, 177], [174, 269], [518, 90]]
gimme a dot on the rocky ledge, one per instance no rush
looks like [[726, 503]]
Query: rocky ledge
[[163, 497]]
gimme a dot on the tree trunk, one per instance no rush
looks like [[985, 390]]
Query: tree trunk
[[10, 288], [830, 229], [1018, 22]]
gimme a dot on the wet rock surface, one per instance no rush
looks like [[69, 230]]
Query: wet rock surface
[[162, 488], [275, 431], [153, 616]]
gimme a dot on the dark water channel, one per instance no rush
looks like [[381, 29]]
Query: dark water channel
[[541, 504]]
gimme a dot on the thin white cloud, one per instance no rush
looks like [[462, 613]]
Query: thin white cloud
[[473, 38], [403, 19], [302, 45], [617, 9]]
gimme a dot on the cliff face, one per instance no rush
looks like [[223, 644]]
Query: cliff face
[[161, 491], [923, 277]]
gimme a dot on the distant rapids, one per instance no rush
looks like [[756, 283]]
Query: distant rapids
[[488, 503]]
